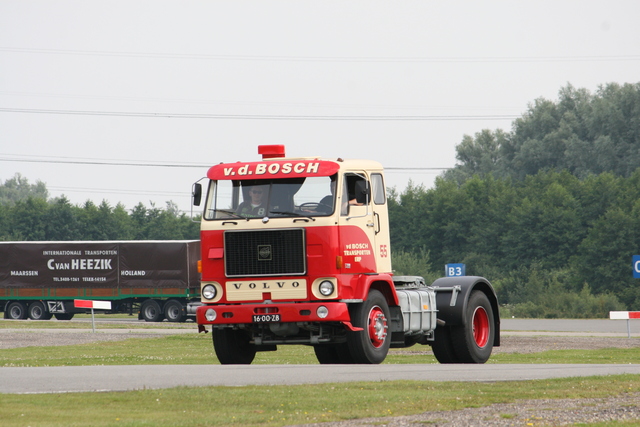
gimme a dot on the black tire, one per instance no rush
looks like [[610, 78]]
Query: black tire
[[473, 341], [151, 311], [37, 311], [442, 346], [16, 311], [174, 311], [331, 354], [64, 316], [370, 345], [232, 346]]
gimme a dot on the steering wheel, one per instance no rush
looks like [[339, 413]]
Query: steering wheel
[[310, 205]]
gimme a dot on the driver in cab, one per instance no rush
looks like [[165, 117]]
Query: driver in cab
[[255, 206]]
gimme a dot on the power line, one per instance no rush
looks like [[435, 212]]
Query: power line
[[263, 116], [254, 103], [415, 169], [116, 191], [103, 163], [4, 157], [289, 58]]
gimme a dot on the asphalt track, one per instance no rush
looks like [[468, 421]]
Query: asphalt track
[[122, 378]]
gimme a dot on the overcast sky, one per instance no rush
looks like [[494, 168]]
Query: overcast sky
[[131, 101]]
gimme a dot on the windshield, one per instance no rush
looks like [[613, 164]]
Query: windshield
[[289, 197]]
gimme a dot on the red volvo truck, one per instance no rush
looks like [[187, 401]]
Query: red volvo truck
[[155, 279], [297, 251]]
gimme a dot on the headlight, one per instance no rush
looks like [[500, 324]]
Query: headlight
[[210, 315], [322, 312], [209, 292], [326, 288]]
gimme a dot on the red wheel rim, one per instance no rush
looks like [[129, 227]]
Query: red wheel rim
[[481, 327], [377, 327]]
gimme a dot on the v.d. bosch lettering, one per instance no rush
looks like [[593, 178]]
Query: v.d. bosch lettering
[[272, 169]]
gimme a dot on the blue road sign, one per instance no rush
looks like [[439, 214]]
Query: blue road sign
[[636, 266], [453, 270]]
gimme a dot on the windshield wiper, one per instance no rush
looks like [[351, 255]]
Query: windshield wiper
[[232, 214], [294, 214]]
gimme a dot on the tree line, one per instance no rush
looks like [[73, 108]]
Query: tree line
[[584, 133], [548, 235], [26, 214], [549, 212]]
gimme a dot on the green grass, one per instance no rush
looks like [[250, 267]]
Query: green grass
[[279, 405], [286, 405], [197, 349], [74, 324], [604, 355]]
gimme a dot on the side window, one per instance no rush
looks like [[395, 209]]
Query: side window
[[379, 195], [222, 198], [356, 192]]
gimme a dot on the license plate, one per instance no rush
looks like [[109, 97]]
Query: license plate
[[266, 318]]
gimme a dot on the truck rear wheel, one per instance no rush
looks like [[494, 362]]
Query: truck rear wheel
[[174, 311], [232, 346], [37, 311], [16, 311], [151, 311], [370, 345], [442, 346], [473, 341]]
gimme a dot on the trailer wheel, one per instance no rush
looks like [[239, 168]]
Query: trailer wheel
[[16, 311], [370, 345], [37, 311], [151, 311], [174, 311], [442, 346], [473, 341], [331, 354], [232, 346]]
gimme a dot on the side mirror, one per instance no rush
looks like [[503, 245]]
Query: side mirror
[[362, 192], [196, 194]]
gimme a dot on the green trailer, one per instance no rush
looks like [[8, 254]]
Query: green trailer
[[153, 279]]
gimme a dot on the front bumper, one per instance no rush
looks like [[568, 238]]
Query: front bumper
[[289, 312]]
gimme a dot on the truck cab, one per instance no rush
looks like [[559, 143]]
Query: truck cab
[[297, 251]]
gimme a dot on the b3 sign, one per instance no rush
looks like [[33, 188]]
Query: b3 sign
[[453, 270], [636, 266]]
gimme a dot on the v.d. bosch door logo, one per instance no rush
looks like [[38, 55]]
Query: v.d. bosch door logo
[[264, 252]]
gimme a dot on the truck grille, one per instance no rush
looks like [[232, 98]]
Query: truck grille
[[265, 252]]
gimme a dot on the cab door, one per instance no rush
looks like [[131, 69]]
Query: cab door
[[364, 233]]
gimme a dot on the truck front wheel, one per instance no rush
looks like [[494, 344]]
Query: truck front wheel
[[232, 346], [328, 354], [473, 341], [370, 345]]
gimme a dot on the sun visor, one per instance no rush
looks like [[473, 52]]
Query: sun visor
[[273, 169]]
